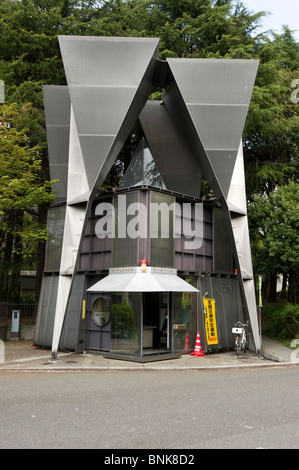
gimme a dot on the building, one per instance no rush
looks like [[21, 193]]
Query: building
[[123, 266]]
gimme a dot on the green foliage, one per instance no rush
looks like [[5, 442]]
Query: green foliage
[[281, 321], [274, 231], [123, 320], [271, 132], [22, 191], [20, 167], [30, 57]]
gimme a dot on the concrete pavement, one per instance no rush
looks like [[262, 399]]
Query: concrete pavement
[[20, 355]]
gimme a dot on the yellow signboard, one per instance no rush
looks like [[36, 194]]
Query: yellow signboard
[[210, 321]]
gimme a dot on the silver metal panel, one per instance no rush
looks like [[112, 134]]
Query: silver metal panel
[[180, 116], [108, 84], [217, 94], [183, 175], [205, 103], [63, 291], [57, 105], [74, 220], [58, 144], [57, 113], [106, 61], [95, 149], [249, 290], [99, 63], [219, 127], [223, 162], [100, 110], [180, 96], [241, 234], [138, 281], [78, 187], [60, 174], [215, 81], [236, 198], [46, 312], [70, 331]]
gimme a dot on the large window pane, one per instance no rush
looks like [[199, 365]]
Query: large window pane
[[124, 338], [125, 248], [161, 229], [184, 318]]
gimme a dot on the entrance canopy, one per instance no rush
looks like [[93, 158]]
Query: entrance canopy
[[142, 279]]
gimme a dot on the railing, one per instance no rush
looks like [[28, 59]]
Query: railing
[[27, 311]]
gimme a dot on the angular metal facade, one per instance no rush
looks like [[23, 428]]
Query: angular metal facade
[[195, 132]]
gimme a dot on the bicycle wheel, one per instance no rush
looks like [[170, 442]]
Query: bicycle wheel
[[238, 345]]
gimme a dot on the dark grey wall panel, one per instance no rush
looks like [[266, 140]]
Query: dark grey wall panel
[[46, 312], [55, 227], [71, 327], [228, 306], [178, 168]]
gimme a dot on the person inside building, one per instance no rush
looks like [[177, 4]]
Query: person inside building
[[162, 333]]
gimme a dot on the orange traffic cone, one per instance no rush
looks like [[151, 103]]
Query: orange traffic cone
[[187, 342], [197, 351]]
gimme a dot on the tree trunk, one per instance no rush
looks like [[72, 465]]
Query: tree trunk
[[41, 250], [17, 258], [272, 288], [4, 276]]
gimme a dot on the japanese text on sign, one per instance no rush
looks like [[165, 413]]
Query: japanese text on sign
[[210, 321]]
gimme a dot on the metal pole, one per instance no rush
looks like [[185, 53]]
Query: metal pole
[[141, 325]]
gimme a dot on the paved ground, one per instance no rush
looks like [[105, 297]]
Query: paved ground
[[173, 412], [20, 355]]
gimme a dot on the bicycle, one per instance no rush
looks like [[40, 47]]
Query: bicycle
[[241, 337]]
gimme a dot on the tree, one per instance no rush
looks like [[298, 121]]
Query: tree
[[21, 193], [30, 57], [271, 131], [274, 230]]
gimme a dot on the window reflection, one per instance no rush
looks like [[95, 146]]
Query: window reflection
[[123, 324], [184, 318]]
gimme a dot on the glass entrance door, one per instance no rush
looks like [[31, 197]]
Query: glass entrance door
[[156, 323]]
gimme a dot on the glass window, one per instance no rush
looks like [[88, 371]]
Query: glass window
[[162, 211], [101, 311], [125, 248], [124, 331], [184, 318]]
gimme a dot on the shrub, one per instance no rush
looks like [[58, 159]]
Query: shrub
[[281, 320]]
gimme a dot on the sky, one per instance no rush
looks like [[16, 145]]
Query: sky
[[283, 12]]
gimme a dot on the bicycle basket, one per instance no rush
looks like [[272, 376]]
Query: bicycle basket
[[237, 331]]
